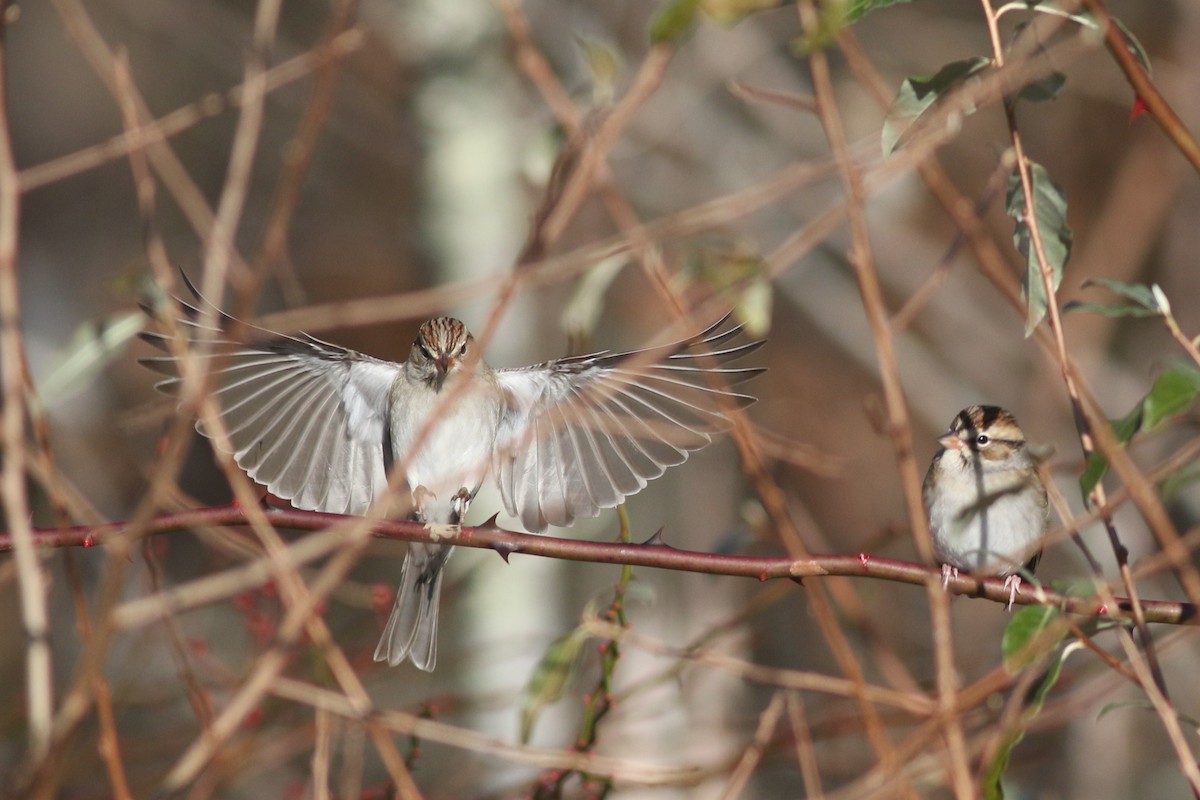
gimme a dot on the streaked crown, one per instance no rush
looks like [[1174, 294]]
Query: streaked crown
[[990, 431], [443, 344]]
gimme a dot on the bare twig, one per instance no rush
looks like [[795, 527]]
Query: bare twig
[[862, 260], [187, 117], [110, 740], [39, 673], [767, 722], [298, 156], [479, 744], [805, 756]]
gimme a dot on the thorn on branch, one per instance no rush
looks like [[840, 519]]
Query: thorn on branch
[[505, 549], [656, 540]]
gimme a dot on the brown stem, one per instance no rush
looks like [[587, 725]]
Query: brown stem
[[660, 556], [1156, 105]]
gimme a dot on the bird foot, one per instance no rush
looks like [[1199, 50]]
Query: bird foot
[[422, 498], [948, 572], [1013, 584], [460, 503]]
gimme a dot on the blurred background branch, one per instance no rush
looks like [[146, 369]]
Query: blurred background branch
[[569, 176]]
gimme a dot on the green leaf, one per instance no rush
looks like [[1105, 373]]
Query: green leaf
[[1160, 300], [674, 21], [1173, 393], [754, 307], [731, 12], [1144, 705], [992, 786], [1076, 587], [724, 268], [1138, 293], [740, 273], [1050, 210], [1144, 304], [1174, 484], [1088, 21], [1119, 704], [1124, 428], [1045, 89], [857, 9], [1057, 9], [92, 347], [1031, 634], [1134, 46], [831, 20], [605, 64], [1093, 473], [918, 94], [550, 678], [1109, 309]]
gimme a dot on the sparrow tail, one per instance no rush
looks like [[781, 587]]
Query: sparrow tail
[[411, 631]]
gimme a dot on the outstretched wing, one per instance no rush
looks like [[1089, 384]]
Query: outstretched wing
[[307, 419], [581, 434]]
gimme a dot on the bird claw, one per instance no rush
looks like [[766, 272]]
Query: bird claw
[[948, 572], [1013, 584], [460, 503], [422, 498]]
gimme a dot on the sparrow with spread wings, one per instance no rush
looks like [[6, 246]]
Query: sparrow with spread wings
[[321, 426]]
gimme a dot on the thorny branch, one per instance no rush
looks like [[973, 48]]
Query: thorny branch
[[508, 543]]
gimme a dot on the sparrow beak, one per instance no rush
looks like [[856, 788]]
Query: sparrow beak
[[443, 363], [950, 441]]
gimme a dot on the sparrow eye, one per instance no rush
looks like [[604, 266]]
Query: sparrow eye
[[424, 350], [982, 439], [462, 351]]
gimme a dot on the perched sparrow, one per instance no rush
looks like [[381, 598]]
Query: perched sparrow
[[321, 426], [986, 503]]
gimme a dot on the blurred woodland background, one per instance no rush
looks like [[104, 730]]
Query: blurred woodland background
[[352, 168]]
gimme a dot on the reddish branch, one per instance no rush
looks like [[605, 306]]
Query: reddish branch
[[1156, 105], [652, 553]]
